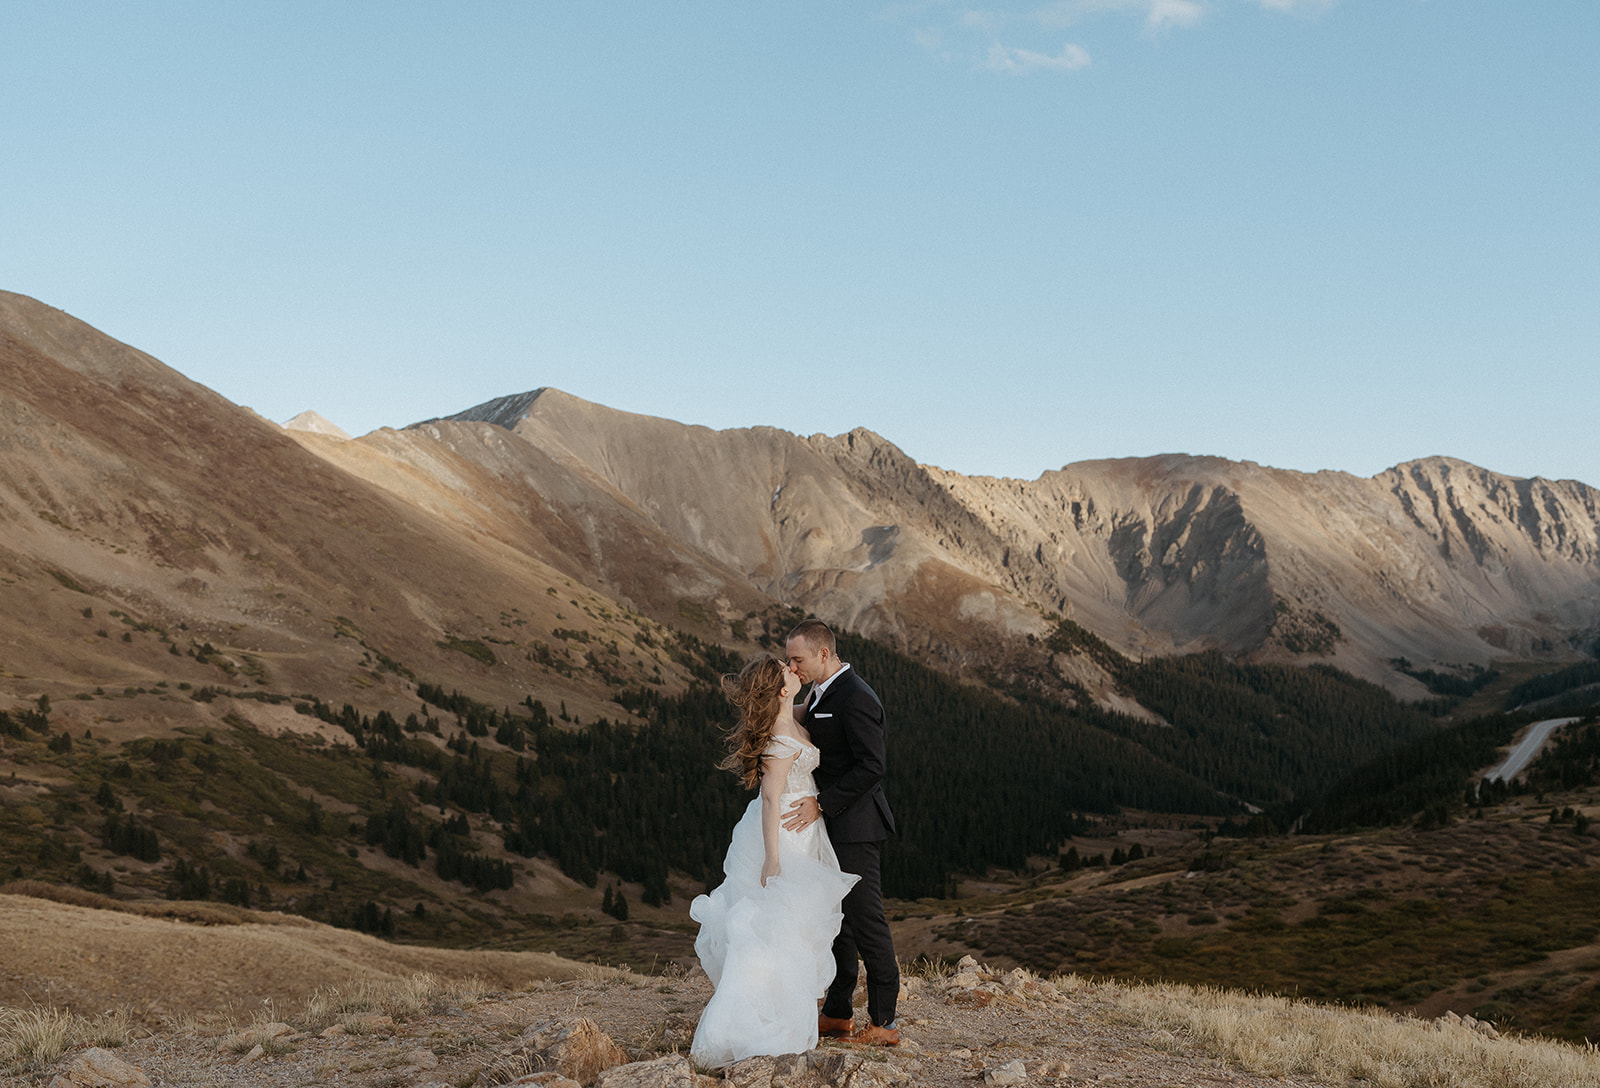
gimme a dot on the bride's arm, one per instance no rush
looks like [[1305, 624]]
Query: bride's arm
[[774, 773]]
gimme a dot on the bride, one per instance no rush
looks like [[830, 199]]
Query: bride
[[766, 933]]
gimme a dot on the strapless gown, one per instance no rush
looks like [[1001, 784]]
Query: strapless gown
[[768, 951]]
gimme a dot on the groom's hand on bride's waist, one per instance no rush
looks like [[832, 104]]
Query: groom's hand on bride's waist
[[802, 814]]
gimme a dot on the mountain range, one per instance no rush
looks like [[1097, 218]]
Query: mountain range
[[539, 543]]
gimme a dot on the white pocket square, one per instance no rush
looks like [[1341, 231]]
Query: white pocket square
[[821, 715]]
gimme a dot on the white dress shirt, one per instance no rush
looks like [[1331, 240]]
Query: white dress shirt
[[822, 686]]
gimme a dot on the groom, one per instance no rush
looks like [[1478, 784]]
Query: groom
[[845, 720]]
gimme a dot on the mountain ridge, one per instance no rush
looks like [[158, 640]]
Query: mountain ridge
[[1435, 560], [128, 490]]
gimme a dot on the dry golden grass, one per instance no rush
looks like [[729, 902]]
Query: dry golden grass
[[359, 1008], [112, 1028], [1157, 1034], [1279, 1037], [33, 1038], [927, 968], [200, 913], [510, 1067], [391, 997], [259, 1033], [197, 976], [82, 958]]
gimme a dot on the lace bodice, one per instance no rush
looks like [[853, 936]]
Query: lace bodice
[[806, 759]]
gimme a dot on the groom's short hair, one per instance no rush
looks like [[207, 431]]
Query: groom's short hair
[[817, 635]]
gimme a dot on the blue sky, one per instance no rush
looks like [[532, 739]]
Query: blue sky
[[1336, 234]]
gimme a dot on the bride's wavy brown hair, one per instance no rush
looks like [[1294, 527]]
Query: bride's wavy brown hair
[[757, 692]]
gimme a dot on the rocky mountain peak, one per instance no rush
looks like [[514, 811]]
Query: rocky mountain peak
[[507, 411], [1160, 553], [312, 423]]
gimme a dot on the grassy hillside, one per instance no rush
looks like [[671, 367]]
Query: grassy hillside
[[357, 818], [411, 828], [256, 1004], [465, 824], [156, 959], [1484, 908]]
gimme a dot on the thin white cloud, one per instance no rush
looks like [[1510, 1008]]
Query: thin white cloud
[[1059, 14], [1158, 14], [1296, 6], [1022, 61], [998, 37], [932, 39], [1161, 14]]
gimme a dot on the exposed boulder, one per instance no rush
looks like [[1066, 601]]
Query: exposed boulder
[[576, 1048], [99, 1068]]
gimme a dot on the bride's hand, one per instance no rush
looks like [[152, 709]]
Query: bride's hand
[[769, 869], [791, 683]]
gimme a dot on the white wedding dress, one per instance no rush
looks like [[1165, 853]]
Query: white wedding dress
[[768, 950]]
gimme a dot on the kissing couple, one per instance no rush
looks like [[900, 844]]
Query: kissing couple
[[802, 898]]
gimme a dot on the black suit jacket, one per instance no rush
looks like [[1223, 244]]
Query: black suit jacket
[[847, 727]]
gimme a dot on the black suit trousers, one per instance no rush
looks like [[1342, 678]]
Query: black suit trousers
[[864, 934]]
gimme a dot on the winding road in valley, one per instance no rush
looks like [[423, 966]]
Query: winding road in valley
[[1523, 753]]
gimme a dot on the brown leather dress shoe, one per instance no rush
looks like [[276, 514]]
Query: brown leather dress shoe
[[835, 1027], [873, 1035]]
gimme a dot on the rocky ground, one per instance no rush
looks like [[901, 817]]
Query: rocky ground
[[974, 1026], [994, 1029]]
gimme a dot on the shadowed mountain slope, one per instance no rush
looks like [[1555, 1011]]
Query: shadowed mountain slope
[[129, 492]]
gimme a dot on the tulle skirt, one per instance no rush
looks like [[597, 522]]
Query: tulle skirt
[[768, 951]]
